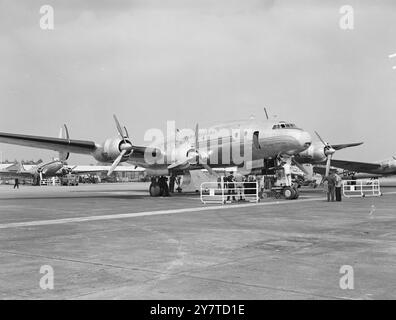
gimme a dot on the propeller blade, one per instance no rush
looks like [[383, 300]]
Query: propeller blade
[[320, 138], [119, 128], [116, 162], [328, 163], [126, 132], [346, 145], [196, 135], [207, 167], [300, 166]]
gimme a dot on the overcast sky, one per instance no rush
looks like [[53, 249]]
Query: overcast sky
[[198, 61]]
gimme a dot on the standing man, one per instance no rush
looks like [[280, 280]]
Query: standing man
[[163, 182], [326, 189], [331, 181], [16, 183], [231, 186], [172, 179], [239, 187], [338, 187]]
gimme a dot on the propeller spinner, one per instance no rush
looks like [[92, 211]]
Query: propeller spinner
[[125, 147]]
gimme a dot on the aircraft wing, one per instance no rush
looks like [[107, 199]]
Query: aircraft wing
[[355, 166], [105, 169], [56, 144]]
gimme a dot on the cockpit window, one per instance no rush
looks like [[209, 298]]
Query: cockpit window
[[284, 125]]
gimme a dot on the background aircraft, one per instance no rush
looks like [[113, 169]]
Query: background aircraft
[[55, 168], [36, 172]]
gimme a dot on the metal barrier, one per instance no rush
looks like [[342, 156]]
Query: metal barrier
[[361, 188], [221, 192], [54, 181]]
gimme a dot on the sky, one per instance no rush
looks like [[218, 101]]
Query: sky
[[198, 61]]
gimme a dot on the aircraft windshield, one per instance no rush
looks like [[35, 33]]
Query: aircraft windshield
[[284, 125]]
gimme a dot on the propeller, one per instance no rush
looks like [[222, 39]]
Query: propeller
[[300, 166], [328, 151], [125, 147]]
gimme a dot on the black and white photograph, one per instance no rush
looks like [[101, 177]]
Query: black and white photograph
[[219, 151]]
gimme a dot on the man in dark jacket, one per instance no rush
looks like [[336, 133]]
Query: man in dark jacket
[[230, 186], [331, 180]]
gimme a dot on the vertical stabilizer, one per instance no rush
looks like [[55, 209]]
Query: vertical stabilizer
[[64, 134]]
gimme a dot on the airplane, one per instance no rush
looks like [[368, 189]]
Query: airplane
[[260, 142], [53, 168]]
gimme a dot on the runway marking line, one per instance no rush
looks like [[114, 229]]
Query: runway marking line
[[143, 214], [149, 213]]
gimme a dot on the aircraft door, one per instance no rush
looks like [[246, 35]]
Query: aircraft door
[[256, 143]]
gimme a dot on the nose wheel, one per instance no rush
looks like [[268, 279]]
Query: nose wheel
[[290, 193]]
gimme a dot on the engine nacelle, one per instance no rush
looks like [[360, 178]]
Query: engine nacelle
[[315, 152], [110, 150]]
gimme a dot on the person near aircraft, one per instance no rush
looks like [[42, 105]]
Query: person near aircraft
[[172, 180], [239, 179], [326, 189], [331, 180], [163, 184], [16, 183], [231, 187], [338, 187]]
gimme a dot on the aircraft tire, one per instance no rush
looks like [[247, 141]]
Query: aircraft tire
[[154, 190], [289, 193]]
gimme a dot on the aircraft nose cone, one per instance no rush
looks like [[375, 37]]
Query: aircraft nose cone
[[304, 140]]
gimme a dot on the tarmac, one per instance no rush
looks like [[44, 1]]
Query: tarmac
[[113, 241]]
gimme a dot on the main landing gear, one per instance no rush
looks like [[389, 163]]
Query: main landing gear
[[154, 188], [159, 187]]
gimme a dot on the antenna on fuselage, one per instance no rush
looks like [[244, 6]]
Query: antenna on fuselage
[[266, 114]]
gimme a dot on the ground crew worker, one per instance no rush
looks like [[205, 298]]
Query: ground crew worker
[[231, 187], [326, 189], [164, 190], [16, 183], [338, 187], [239, 179], [172, 180], [331, 183]]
